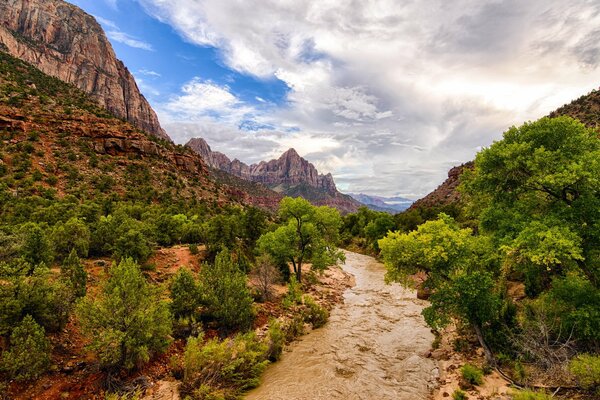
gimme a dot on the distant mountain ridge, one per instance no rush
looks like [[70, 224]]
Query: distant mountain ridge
[[290, 175], [390, 205], [63, 41]]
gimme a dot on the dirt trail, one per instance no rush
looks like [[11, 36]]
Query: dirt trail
[[374, 346]]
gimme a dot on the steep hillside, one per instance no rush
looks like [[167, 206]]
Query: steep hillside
[[586, 109], [57, 141], [63, 41], [289, 175]]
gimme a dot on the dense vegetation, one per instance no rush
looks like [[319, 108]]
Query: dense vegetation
[[529, 219], [67, 210]]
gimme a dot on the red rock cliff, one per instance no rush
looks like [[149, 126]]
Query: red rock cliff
[[63, 41]]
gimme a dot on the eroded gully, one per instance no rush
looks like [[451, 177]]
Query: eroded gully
[[373, 347]]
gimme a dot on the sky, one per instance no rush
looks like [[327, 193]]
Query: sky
[[387, 95]]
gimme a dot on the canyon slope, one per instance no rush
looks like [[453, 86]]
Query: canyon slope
[[57, 141], [586, 109], [289, 175], [63, 41]]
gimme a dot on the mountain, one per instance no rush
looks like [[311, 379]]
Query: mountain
[[57, 141], [63, 41], [586, 109], [390, 205], [290, 175]]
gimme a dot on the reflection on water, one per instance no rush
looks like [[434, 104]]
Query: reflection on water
[[373, 347]]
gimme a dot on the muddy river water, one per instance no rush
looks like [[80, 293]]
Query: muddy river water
[[373, 347]]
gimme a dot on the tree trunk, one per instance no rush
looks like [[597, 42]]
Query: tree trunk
[[489, 357], [299, 272]]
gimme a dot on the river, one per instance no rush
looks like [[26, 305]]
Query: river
[[373, 347]]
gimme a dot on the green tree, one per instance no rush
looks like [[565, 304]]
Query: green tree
[[537, 192], [225, 291], [460, 269], [127, 321], [378, 228], [307, 234], [132, 243], [72, 235], [29, 353], [36, 247], [185, 294], [73, 272]]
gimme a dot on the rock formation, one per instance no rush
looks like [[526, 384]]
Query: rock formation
[[63, 41], [290, 175]]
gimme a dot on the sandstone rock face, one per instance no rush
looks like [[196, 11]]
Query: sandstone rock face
[[63, 41], [447, 192], [290, 174]]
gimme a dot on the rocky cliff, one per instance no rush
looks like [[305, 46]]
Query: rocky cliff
[[63, 41], [290, 175]]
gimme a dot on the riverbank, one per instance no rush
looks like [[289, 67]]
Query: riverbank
[[375, 346], [326, 288]]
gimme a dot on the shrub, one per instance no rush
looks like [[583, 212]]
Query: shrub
[[459, 395], [222, 369], [28, 355], [265, 274], [72, 235], [530, 395], [127, 321], [185, 294], [586, 369], [132, 244], [36, 246], [74, 273], [226, 294], [471, 374], [294, 293], [314, 313], [276, 340]]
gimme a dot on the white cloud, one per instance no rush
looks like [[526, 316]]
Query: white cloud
[[387, 94], [126, 39], [150, 73]]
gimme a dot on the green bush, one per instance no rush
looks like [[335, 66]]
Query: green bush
[[185, 294], [586, 369], [132, 244], [226, 293], [127, 322], [276, 340], [294, 293], [222, 369], [472, 374], [459, 395], [29, 353], [74, 273], [530, 395], [35, 248], [314, 313], [72, 235]]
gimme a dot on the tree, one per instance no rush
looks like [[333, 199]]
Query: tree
[[460, 270], [36, 246], [378, 227], [127, 321], [225, 291], [537, 192], [185, 294], [132, 244], [307, 234], [265, 274], [72, 235], [73, 272], [29, 353]]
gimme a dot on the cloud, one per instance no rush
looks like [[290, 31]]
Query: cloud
[[112, 3], [152, 74], [385, 94], [126, 39]]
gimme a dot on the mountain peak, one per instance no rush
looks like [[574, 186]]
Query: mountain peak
[[290, 153]]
